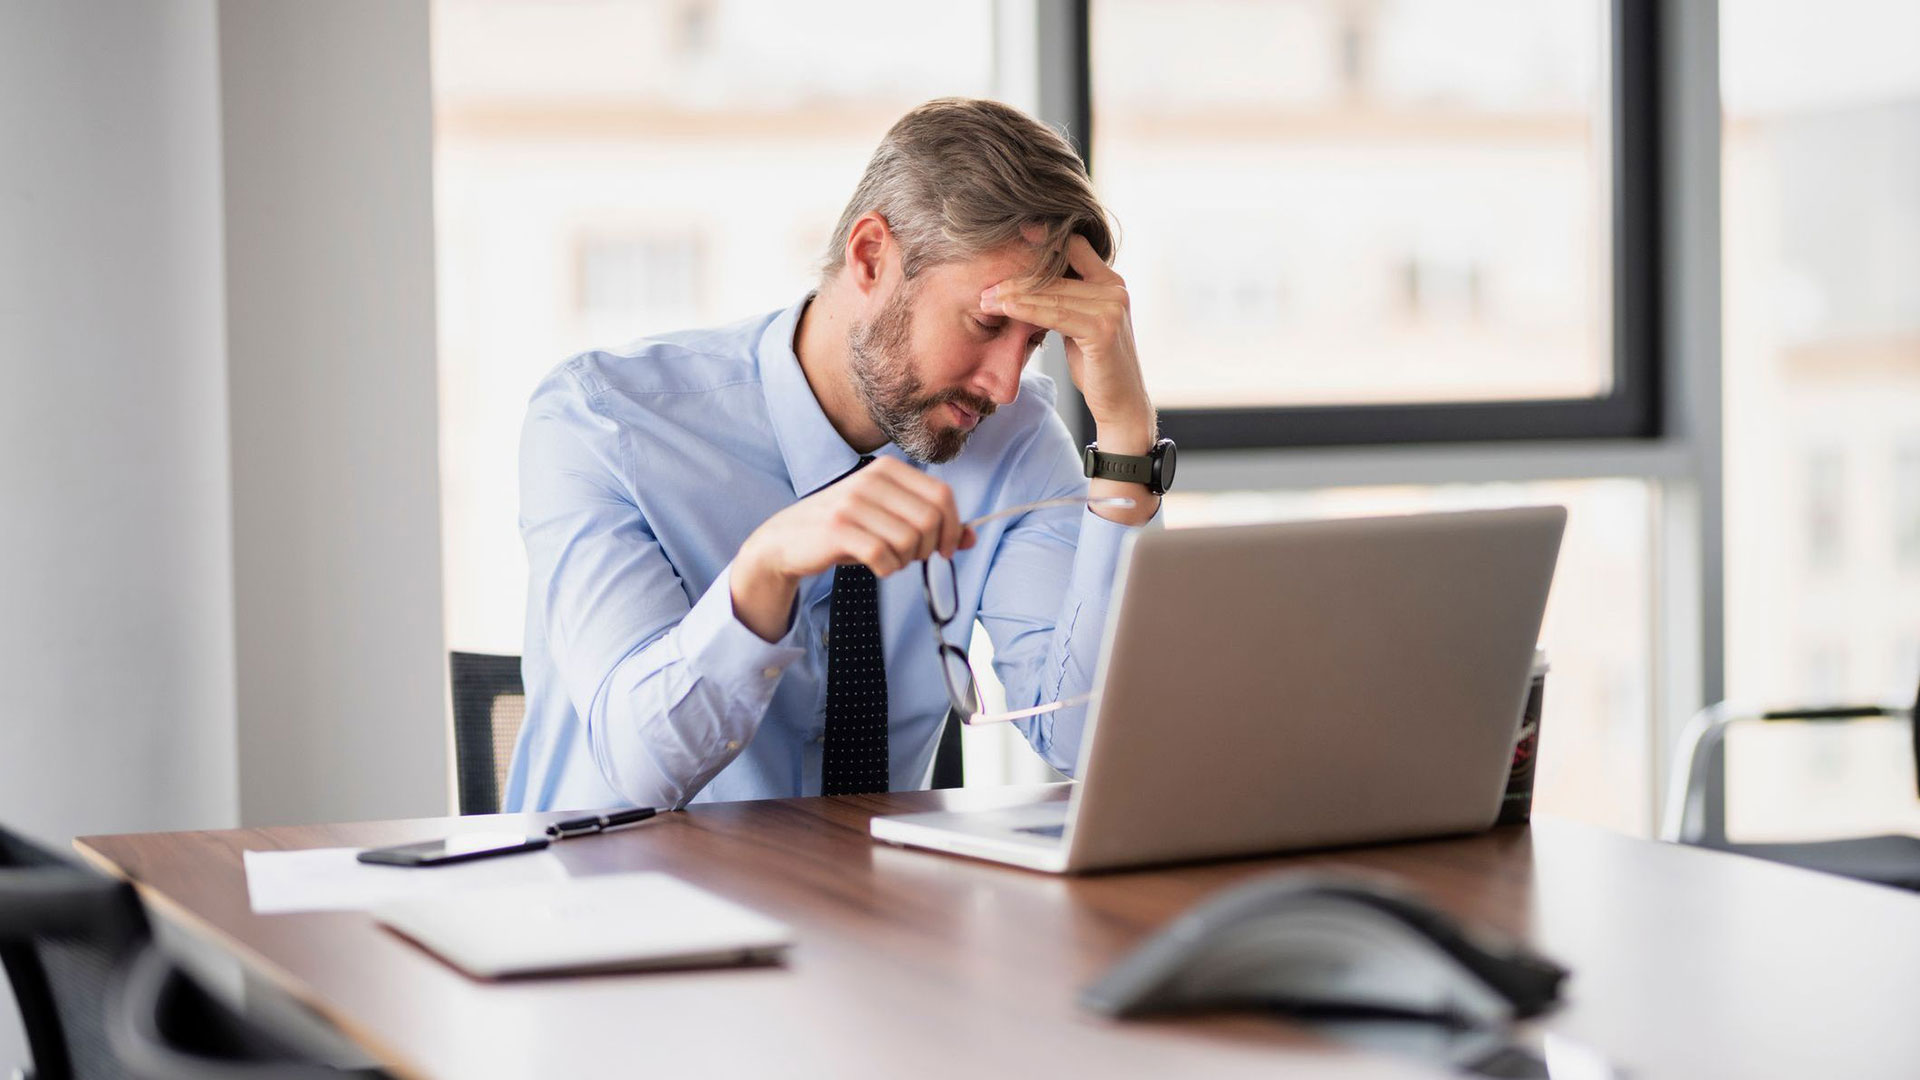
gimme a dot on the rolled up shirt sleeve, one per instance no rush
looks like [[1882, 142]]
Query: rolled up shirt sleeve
[[670, 686]]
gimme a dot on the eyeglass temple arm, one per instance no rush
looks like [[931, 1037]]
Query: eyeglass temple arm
[[1119, 502], [1022, 714]]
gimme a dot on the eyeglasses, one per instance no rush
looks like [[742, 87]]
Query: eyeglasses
[[943, 605]]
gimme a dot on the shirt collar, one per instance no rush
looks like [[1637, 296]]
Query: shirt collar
[[815, 453]]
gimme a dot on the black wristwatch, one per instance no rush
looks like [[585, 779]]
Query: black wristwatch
[[1154, 469]]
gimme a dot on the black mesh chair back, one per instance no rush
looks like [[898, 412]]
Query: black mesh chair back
[[948, 770], [489, 705], [65, 932]]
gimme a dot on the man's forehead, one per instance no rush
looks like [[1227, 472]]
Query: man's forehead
[[1013, 262]]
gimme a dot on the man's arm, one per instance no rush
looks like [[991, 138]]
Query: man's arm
[[669, 689], [1046, 600], [1053, 660], [1094, 317]]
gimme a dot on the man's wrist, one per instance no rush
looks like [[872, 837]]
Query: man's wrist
[[762, 596], [1131, 437], [751, 565], [1145, 503], [1134, 439]]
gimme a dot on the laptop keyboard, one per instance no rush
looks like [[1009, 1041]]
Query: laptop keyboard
[[1054, 831]]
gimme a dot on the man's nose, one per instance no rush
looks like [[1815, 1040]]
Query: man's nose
[[999, 374]]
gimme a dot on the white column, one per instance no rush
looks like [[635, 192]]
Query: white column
[[328, 142], [116, 628], [116, 592]]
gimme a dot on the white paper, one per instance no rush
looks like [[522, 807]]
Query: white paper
[[330, 879]]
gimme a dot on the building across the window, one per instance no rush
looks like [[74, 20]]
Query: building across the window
[[1821, 366], [625, 281]]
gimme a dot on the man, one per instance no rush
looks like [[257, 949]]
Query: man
[[716, 607]]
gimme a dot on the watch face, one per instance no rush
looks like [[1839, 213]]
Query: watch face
[[1167, 456]]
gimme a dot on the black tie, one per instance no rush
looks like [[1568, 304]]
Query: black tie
[[855, 758]]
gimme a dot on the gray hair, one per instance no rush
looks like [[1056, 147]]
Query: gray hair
[[959, 177]]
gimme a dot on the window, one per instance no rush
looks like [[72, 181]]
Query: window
[[1422, 220], [1595, 762], [1821, 368], [1789, 782], [1906, 507], [645, 280], [1826, 508], [1383, 222], [609, 170]]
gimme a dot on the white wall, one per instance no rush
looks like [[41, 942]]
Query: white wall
[[220, 594], [116, 637], [116, 634]]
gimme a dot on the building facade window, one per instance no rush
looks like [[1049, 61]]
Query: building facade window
[[1906, 507]]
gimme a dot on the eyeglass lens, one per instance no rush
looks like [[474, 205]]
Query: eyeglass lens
[[962, 691], [943, 591]]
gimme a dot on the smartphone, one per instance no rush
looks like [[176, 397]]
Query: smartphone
[[453, 849]]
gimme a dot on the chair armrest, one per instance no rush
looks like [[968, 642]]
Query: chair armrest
[[156, 1003], [1696, 793], [54, 901], [1835, 712]]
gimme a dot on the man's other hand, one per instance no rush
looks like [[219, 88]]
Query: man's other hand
[[886, 517]]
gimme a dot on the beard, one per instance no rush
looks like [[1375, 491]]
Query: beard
[[895, 398]]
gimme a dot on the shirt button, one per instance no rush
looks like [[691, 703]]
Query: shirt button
[[770, 673], [733, 744]]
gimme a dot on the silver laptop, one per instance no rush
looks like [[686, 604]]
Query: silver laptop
[[1269, 688]]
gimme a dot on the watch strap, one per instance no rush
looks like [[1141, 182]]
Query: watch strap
[[1128, 468]]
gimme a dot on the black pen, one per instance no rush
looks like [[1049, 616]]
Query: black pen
[[563, 830]]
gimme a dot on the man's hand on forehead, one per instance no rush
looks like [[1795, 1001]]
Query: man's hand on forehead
[[1087, 279], [1090, 308], [1038, 235], [1093, 312]]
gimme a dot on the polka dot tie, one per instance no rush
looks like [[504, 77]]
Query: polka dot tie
[[855, 758]]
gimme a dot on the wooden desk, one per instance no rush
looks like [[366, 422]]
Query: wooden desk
[[1686, 963]]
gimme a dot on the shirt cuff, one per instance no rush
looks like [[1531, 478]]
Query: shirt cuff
[[721, 648], [1097, 556]]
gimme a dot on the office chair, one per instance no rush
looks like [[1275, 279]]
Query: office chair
[[1696, 806], [490, 704], [165, 1026], [949, 768], [73, 941], [64, 932]]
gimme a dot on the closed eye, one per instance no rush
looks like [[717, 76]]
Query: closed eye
[[990, 327]]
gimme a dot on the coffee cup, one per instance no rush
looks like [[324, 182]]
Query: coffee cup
[[1516, 806]]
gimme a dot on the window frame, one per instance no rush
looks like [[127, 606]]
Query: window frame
[[1631, 410]]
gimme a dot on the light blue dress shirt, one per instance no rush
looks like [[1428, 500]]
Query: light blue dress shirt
[[642, 471]]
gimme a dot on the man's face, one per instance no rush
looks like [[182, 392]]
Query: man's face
[[930, 364]]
